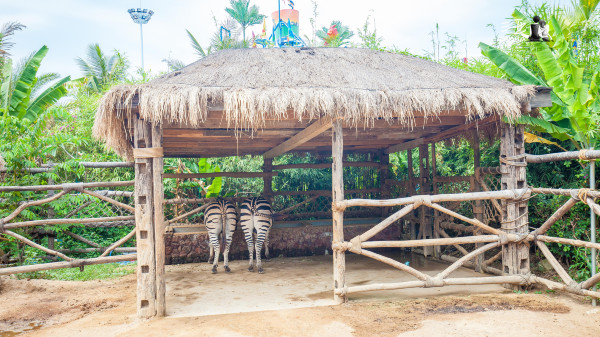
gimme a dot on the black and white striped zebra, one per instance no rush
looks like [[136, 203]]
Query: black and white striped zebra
[[220, 218], [256, 219]]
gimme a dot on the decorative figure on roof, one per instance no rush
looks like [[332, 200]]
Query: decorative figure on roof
[[539, 30]]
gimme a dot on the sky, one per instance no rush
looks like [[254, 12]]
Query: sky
[[67, 27]]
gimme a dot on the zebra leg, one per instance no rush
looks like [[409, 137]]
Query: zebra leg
[[250, 243], [212, 253], [267, 254], [259, 244], [229, 238], [217, 248]]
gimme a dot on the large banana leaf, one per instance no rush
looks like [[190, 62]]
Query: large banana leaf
[[542, 125], [515, 70], [47, 98], [19, 98], [5, 86]]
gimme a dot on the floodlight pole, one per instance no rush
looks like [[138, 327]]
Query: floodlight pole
[[141, 17], [142, 39]]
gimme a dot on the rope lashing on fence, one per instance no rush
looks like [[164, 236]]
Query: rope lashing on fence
[[431, 282], [422, 200], [149, 152], [575, 287], [78, 187], [582, 154], [511, 160]]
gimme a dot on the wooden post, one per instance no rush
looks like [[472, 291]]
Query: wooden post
[[425, 188], [337, 183], [268, 179], [478, 204], [411, 189], [159, 222], [383, 176], [515, 256], [144, 220], [437, 250]]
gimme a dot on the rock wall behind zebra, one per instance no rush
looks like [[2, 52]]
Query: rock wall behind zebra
[[288, 242]]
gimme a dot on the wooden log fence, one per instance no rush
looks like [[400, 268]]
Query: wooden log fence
[[6, 226], [496, 238], [67, 264]]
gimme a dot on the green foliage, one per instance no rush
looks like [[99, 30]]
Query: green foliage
[[244, 14], [94, 272], [102, 71], [368, 37], [197, 47]]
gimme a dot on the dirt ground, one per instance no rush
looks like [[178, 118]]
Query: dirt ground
[[293, 298]]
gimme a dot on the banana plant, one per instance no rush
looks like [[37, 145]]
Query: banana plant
[[575, 113], [17, 89]]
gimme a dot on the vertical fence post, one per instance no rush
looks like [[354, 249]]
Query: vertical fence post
[[337, 183], [593, 224], [144, 221], [437, 250], [478, 204], [383, 177], [425, 188], [515, 256], [411, 189], [268, 180]]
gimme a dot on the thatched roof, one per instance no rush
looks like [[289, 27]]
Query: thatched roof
[[361, 85]]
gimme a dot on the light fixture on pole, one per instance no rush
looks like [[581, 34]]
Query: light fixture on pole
[[141, 16]]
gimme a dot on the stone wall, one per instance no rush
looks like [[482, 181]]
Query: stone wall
[[289, 242]]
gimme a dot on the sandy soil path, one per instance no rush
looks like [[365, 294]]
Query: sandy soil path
[[107, 308]]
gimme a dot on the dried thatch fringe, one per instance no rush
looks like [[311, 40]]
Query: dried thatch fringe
[[248, 107]]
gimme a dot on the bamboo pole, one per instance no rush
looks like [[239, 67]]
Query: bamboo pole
[[554, 263], [492, 259], [291, 208], [66, 264], [110, 200], [443, 274], [326, 165], [39, 188], [81, 238], [192, 212], [473, 222], [118, 243], [564, 241], [565, 192], [556, 216], [385, 223], [430, 242], [457, 246], [46, 222], [35, 245], [97, 249], [220, 174], [395, 264], [504, 194], [571, 155], [337, 183], [469, 264], [514, 279]]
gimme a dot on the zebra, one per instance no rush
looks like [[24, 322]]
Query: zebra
[[220, 218], [256, 219]]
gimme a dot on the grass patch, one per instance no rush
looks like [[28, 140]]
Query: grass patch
[[93, 272]]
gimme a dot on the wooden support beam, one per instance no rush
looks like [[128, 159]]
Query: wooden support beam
[[219, 174], [300, 138], [144, 219], [452, 132], [337, 183], [515, 256], [477, 204]]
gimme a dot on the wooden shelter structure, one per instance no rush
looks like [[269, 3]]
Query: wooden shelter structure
[[336, 102]]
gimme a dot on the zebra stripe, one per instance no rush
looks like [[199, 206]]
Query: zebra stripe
[[256, 219], [220, 218]]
